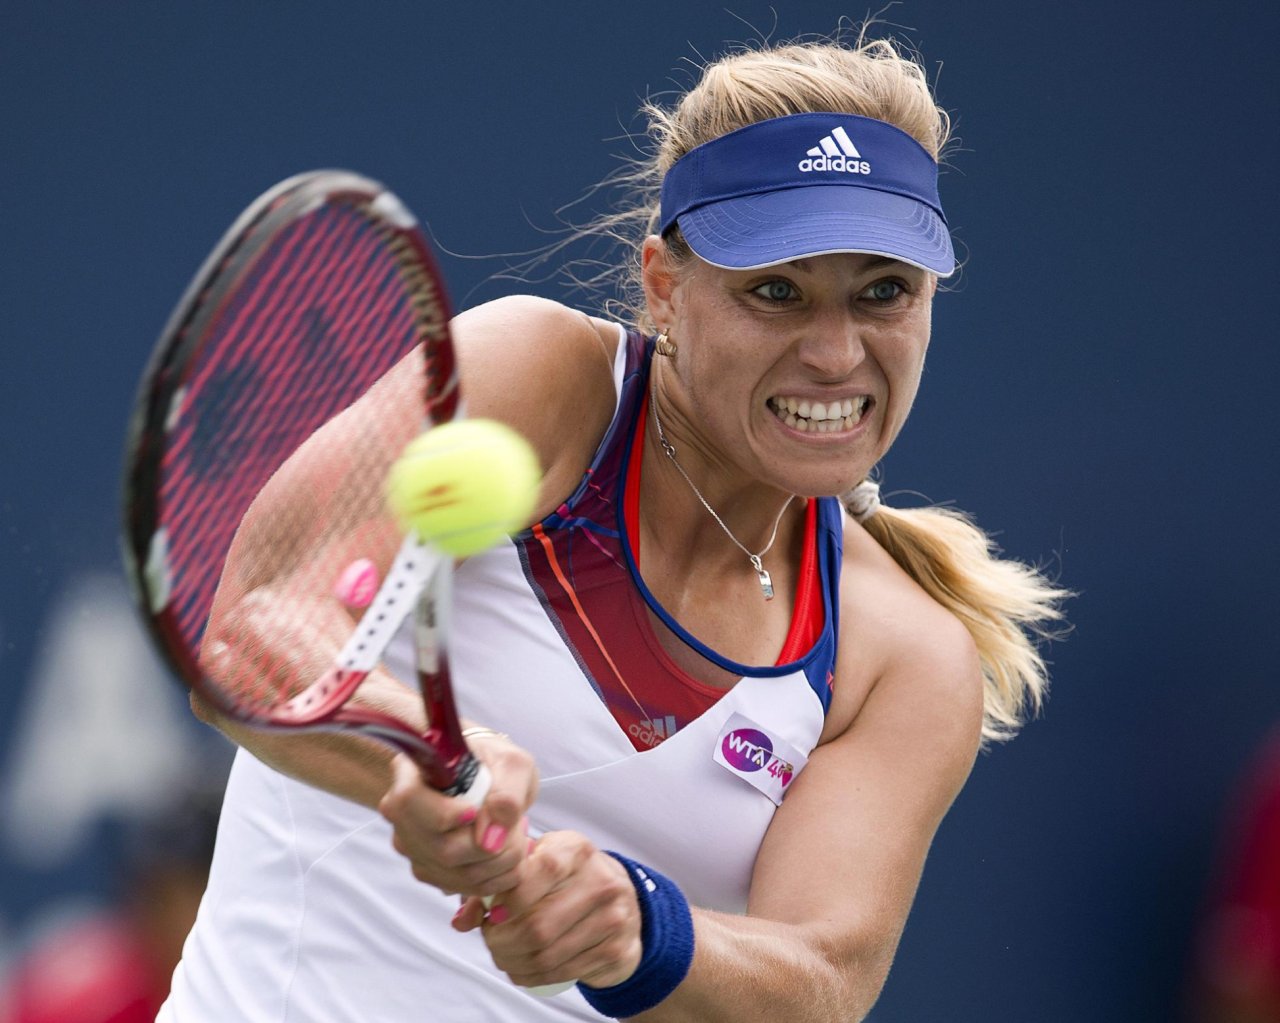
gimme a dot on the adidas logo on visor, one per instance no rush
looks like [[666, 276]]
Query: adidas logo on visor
[[835, 152]]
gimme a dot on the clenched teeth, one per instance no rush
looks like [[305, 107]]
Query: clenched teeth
[[815, 416]]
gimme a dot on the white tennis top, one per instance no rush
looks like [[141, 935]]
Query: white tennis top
[[311, 917]]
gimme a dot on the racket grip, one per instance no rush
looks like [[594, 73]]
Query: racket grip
[[550, 990], [475, 796], [480, 785]]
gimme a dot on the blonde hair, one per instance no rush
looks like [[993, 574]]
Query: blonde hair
[[873, 79], [1007, 606]]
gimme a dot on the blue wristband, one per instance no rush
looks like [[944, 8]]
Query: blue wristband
[[666, 938]]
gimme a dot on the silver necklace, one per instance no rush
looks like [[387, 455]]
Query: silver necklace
[[766, 581]]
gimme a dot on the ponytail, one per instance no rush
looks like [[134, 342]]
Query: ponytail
[[1007, 606]]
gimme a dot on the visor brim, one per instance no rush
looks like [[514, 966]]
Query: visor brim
[[756, 231]]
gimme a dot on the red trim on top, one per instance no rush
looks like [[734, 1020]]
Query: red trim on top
[[809, 614]]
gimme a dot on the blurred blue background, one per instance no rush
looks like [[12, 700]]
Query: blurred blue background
[[1099, 393]]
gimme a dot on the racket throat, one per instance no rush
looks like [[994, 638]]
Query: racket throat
[[431, 630], [319, 701]]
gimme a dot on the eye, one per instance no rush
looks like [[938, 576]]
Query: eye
[[885, 291], [776, 290]]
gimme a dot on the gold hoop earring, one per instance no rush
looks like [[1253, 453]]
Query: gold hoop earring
[[663, 345]]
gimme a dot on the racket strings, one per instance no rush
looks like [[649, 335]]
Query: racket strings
[[267, 452], [324, 512]]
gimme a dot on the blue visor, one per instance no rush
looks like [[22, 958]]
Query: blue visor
[[808, 185]]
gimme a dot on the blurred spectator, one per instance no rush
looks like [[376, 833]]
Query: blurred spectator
[[1237, 966], [114, 966]]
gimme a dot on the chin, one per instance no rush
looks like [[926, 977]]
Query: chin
[[825, 484]]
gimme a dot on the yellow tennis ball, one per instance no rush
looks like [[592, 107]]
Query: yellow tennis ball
[[464, 485]]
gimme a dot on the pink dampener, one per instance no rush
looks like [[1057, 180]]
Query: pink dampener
[[357, 584]]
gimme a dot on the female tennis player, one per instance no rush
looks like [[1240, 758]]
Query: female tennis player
[[725, 694]]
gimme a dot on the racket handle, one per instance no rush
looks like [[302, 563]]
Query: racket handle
[[551, 990], [475, 796], [479, 786]]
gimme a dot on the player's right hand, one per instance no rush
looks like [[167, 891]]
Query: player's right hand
[[453, 845], [574, 916]]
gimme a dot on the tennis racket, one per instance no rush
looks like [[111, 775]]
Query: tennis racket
[[255, 473], [322, 287]]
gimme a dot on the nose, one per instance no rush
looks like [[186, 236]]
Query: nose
[[833, 346]]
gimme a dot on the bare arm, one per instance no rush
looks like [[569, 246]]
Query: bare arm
[[860, 819], [320, 511], [535, 365]]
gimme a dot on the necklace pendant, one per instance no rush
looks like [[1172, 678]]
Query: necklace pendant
[[766, 580]]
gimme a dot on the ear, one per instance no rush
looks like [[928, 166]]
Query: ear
[[660, 282]]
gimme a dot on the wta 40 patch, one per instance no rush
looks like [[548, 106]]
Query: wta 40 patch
[[761, 759]]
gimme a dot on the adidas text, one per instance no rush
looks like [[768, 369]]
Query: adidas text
[[834, 163], [653, 732]]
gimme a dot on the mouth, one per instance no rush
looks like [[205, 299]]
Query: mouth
[[810, 416]]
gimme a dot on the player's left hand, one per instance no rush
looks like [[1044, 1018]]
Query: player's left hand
[[573, 916], [453, 845]]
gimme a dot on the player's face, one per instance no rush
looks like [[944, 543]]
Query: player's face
[[803, 373]]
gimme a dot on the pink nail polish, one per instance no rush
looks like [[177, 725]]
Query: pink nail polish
[[498, 914], [468, 815], [495, 837]]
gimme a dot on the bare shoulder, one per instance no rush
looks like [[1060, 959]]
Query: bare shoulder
[[547, 371], [901, 653], [537, 326]]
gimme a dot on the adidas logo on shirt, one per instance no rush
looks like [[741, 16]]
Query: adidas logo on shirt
[[835, 152], [653, 732]]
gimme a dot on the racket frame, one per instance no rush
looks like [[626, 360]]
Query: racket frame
[[440, 751]]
